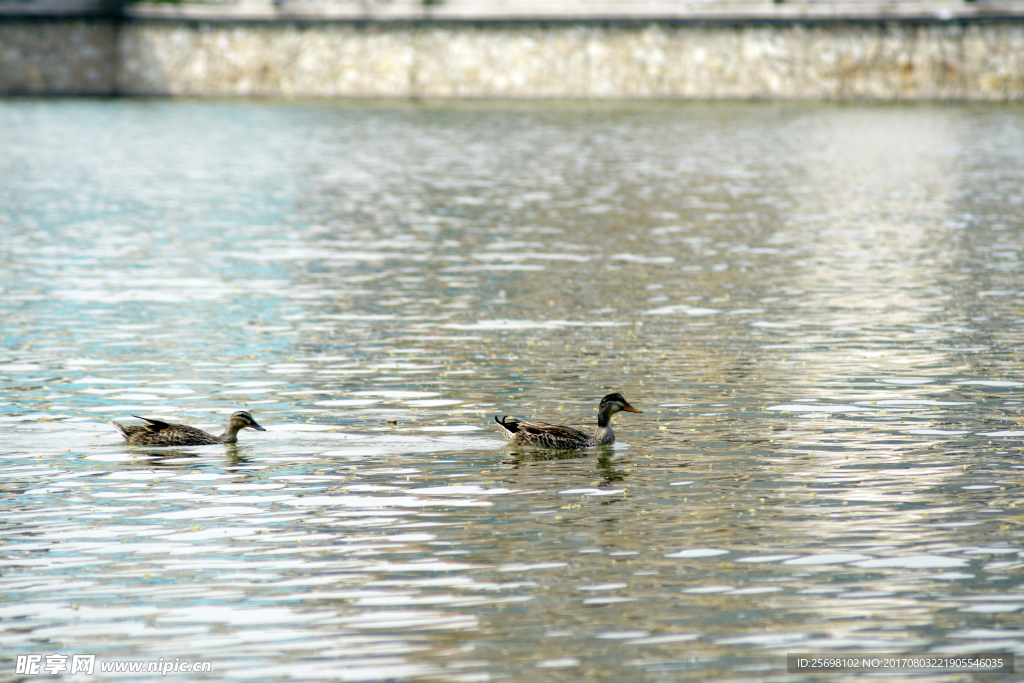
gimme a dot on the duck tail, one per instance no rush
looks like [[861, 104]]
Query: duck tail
[[119, 427], [509, 426]]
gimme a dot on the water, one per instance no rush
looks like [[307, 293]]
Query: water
[[818, 308]]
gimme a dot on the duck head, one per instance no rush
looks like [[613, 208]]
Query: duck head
[[614, 403], [241, 420], [611, 404]]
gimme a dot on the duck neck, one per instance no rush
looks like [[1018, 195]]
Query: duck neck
[[230, 434], [603, 435]]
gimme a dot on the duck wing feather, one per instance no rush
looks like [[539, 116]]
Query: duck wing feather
[[158, 432], [544, 434], [154, 425]]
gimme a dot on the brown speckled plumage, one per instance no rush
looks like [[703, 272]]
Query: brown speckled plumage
[[157, 433], [545, 435]]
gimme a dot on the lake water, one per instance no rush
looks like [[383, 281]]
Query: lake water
[[820, 310]]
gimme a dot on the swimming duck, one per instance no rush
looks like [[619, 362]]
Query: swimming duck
[[157, 433], [544, 435]]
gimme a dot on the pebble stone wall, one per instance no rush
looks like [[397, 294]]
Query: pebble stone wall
[[846, 61]]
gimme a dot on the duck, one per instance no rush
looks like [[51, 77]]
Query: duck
[[158, 433], [529, 433]]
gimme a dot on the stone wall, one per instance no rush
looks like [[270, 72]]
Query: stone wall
[[888, 61], [51, 56]]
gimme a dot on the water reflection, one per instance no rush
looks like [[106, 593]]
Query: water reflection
[[817, 308], [522, 457]]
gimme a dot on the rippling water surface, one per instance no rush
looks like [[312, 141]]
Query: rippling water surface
[[820, 310]]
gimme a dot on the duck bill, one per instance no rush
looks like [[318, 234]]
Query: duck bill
[[630, 409], [257, 427]]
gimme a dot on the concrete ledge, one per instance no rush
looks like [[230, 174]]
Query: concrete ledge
[[580, 10], [531, 10]]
